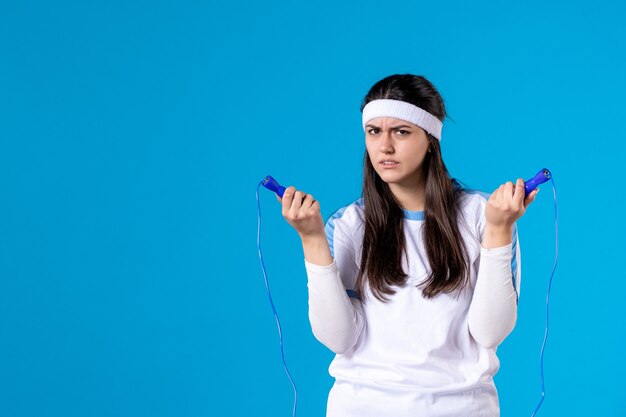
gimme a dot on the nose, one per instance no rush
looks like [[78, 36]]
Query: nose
[[386, 144]]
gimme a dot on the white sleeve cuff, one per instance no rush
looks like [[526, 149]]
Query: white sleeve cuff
[[319, 268]]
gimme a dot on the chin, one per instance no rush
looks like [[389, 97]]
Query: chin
[[391, 179]]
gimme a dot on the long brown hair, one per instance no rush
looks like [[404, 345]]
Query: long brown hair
[[383, 240]]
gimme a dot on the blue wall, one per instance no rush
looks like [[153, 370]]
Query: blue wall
[[132, 139]]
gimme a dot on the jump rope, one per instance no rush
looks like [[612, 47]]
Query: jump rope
[[542, 176]]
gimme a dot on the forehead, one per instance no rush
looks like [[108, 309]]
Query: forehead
[[389, 121]]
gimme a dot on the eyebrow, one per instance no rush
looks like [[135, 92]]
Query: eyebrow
[[392, 127]]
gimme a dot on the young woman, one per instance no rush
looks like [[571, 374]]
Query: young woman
[[416, 283]]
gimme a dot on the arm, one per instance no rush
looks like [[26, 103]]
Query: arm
[[493, 310], [336, 319]]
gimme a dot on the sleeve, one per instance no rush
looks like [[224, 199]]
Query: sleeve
[[493, 311], [335, 310]]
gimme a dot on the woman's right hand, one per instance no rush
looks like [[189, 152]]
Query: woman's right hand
[[302, 212]]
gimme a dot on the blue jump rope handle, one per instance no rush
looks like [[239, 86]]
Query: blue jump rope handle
[[271, 184], [542, 176]]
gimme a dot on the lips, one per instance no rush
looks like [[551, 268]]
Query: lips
[[393, 165]]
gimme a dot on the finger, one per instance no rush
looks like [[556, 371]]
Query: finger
[[508, 190], [531, 197], [520, 192], [278, 198], [287, 198], [297, 200], [533, 194], [493, 196], [498, 193], [308, 201]]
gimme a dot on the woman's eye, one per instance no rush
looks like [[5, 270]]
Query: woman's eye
[[402, 132]]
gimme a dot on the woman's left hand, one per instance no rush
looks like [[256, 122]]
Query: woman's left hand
[[507, 204]]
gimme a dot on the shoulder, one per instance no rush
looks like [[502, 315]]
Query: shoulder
[[473, 200], [472, 203], [345, 222], [349, 216]]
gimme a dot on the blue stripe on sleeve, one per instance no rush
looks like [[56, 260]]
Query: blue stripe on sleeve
[[514, 268], [353, 294], [329, 228]]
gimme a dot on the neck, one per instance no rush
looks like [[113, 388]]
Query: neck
[[410, 197]]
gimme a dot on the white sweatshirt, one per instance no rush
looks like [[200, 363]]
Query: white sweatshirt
[[414, 356]]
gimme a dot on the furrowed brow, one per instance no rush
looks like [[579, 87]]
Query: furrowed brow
[[392, 127]]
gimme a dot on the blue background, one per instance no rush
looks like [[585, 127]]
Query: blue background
[[134, 135]]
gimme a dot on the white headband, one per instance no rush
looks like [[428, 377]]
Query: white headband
[[403, 111]]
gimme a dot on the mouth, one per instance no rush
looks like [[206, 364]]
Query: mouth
[[388, 164]]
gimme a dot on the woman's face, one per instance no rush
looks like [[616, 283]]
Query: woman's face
[[388, 138]]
